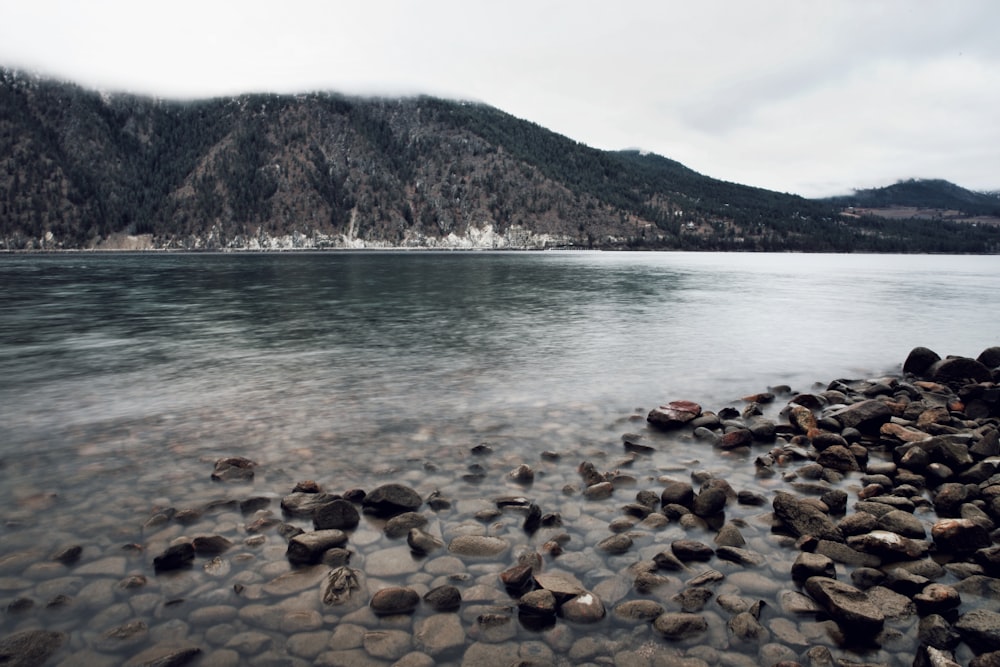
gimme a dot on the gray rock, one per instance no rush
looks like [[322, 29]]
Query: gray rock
[[746, 628], [616, 544], [808, 565], [980, 628], [337, 514], [421, 542], [804, 518], [302, 504], [29, 648], [638, 610], [443, 598], [439, 633], [866, 416], [389, 500], [887, 545], [902, 523], [849, 606], [920, 360], [308, 548], [479, 546], [400, 525], [539, 602], [680, 625], [233, 469]]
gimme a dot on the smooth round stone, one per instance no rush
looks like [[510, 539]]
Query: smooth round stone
[[212, 615], [478, 546], [301, 620], [439, 634], [386, 644], [638, 610], [680, 625], [392, 562], [307, 645], [250, 642], [394, 600]]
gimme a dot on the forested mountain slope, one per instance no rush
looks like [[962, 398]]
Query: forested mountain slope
[[82, 169]]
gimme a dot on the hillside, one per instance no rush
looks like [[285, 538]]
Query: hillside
[[81, 169], [928, 194]]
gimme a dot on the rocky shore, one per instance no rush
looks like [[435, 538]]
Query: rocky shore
[[868, 536]]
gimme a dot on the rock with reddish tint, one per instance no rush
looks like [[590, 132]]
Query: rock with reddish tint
[[802, 418], [740, 437], [233, 469], [838, 457], [847, 605], [937, 598], [674, 414], [959, 536]]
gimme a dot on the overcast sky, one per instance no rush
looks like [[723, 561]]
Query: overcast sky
[[811, 97]]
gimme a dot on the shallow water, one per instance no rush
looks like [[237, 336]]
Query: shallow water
[[123, 377]]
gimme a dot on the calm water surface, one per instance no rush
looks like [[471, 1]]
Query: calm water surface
[[122, 377]]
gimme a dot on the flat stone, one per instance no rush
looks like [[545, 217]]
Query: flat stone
[[479, 546], [394, 600], [680, 625], [438, 634], [308, 548], [849, 606], [392, 562]]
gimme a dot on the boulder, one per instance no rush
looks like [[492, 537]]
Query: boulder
[[959, 371], [919, 360], [990, 357]]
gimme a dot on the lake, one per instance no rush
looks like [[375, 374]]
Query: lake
[[123, 378]]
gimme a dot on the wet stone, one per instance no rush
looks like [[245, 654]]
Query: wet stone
[[400, 525], [394, 600], [389, 500], [337, 514], [680, 625], [308, 548], [478, 546]]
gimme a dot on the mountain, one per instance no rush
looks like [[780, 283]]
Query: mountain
[[83, 169], [927, 194]]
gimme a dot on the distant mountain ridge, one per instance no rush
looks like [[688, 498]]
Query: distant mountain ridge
[[924, 193], [81, 169]]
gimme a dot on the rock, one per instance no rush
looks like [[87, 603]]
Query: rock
[[539, 602], [740, 556], [980, 629], [866, 416], [386, 644], [902, 523], [920, 360], [394, 600], [583, 608], [561, 584], [337, 514], [808, 565], [957, 371], [688, 550], [740, 437], [710, 501], [401, 524], [422, 543], [444, 598], [164, 654], [302, 504], [599, 491], [729, 536], [638, 610], [680, 625], [937, 599], [438, 634], [523, 474], [389, 500], [804, 518], [616, 544], [211, 545], [888, 545], [838, 457], [990, 357], [674, 414], [340, 585], [308, 548], [677, 493], [69, 555], [849, 606], [176, 557], [959, 536], [29, 647], [746, 628], [233, 469], [693, 598], [478, 546]]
